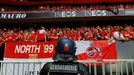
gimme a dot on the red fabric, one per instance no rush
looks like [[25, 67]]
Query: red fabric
[[126, 35], [14, 37], [64, 36], [111, 52], [54, 37], [103, 33], [79, 37], [89, 36], [27, 50], [10, 38], [82, 30], [76, 37], [1, 43], [109, 35], [64, 2], [32, 38], [22, 38], [40, 36]]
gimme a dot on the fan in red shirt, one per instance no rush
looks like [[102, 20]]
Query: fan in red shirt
[[75, 36], [49, 35], [71, 35], [10, 36], [19, 35], [89, 35], [107, 34], [79, 36], [14, 37], [54, 36], [7, 38], [64, 35], [82, 31], [126, 34], [32, 37], [41, 35], [22, 36]]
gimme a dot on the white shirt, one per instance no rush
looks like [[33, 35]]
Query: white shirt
[[117, 35], [42, 31]]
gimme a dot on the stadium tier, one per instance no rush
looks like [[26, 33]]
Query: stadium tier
[[31, 2], [95, 35], [36, 34]]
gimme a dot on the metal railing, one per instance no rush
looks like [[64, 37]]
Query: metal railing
[[96, 67]]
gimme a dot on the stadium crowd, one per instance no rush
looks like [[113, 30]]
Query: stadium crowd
[[65, 7], [79, 33], [84, 7]]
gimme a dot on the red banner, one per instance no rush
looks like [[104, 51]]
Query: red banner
[[86, 50], [30, 50]]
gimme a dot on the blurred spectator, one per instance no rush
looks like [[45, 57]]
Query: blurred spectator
[[88, 35], [42, 35], [2, 9], [126, 33], [32, 36], [117, 35]]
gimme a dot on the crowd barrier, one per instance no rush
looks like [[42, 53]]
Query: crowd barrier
[[112, 67], [122, 53]]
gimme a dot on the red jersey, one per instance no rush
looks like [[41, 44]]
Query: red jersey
[[23, 37], [32, 38], [79, 37], [41, 35], [14, 37], [8, 38], [54, 37], [106, 34], [64, 36], [89, 36], [126, 35]]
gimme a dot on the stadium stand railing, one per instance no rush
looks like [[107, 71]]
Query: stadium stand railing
[[107, 67]]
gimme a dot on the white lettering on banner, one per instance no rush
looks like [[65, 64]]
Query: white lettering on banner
[[69, 14], [11, 16], [48, 48], [99, 13], [95, 13], [65, 14], [88, 13], [27, 49]]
